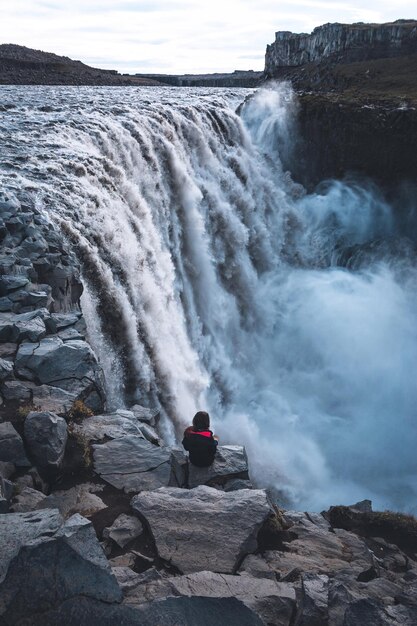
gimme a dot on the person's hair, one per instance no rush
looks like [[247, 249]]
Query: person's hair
[[201, 420]]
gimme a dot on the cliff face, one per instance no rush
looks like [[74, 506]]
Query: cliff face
[[340, 135], [344, 43]]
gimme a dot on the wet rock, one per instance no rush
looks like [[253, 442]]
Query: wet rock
[[274, 602], [63, 320], [229, 462], [6, 492], [124, 529], [11, 446], [80, 499], [8, 350], [132, 464], [46, 437], [203, 528], [237, 483], [44, 562], [47, 398], [27, 500]]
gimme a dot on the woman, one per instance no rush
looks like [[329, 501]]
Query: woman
[[199, 440]]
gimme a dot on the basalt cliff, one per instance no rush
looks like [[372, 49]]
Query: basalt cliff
[[357, 91]]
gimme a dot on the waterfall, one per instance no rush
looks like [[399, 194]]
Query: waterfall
[[213, 281]]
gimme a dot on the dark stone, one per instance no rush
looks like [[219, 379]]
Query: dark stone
[[11, 446], [46, 437]]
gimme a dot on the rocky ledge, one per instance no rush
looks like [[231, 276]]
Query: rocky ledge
[[103, 523]]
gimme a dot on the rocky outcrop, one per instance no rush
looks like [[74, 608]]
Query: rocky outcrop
[[45, 361], [343, 42]]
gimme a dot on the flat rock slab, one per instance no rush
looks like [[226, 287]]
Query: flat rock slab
[[229, 462], [204, 528], [110, 426], [272, 601], [11, 446], [133, 464], [44, 561]]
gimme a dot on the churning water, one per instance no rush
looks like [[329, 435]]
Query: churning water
[[214, 282]]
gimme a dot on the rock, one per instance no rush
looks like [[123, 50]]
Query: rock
[[237, 483], [8, 350], [46, 437], [17, 390], [109, 426], [124, 529], [6, 369], [229, 462], [179, 466], [16, 328], [71, 366], [203, 528], [150, 434], [144, 414], [313, 607], [365, 506], [124, 560], [54, 399], [80, 499], [256, 566], [10, 283], [126, 577], [6, 469], [11, 446], [274, 602], [6, 492], [44, 562], [170, 612], [68, 334], [27, 500], [63, 320], [132, 464]]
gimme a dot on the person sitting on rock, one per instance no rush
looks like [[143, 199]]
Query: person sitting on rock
[[199, 441]]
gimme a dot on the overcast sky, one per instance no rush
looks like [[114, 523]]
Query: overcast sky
[[176, 36]]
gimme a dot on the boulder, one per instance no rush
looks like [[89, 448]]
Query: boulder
[[124, 529], [47, 398], [80, 499], [150, 434], [274, 602], [6, 492], [69, 365], [11, 446], [46, 438], [133, 464], [229, 462], [63, 320], [27, 500], [44, 561], [203, 528]]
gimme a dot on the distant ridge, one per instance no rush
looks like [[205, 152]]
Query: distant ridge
[[20, 65]]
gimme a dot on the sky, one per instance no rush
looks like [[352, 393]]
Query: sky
[[176, 36]]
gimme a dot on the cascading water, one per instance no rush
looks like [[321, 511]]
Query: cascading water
[[213, 281]]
